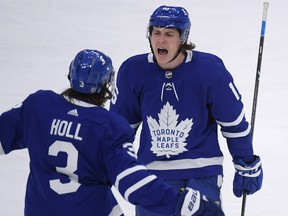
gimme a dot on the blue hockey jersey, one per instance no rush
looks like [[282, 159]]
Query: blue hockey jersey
[[180, 111], [77, 152]]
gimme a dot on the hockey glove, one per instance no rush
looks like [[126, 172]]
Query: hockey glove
[[192, 203], [248, 176]]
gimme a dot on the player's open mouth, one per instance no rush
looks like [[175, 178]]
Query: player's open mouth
[[162, 52]]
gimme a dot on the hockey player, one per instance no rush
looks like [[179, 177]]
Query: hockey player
[[181, 96], [78, 150]]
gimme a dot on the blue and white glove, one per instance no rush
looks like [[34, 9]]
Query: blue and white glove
[[248, 176], [192, 203]]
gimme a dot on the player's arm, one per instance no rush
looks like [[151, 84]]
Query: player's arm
[[11, 134], [228, 110]]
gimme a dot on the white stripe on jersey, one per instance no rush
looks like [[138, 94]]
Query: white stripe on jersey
[[138, 185], [116, 211], [126, 173], [135, 126], [234, 123], [235, 135], [184, 163]]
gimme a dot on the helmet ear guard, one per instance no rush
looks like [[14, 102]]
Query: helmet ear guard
[[170, 17], [90, 71]]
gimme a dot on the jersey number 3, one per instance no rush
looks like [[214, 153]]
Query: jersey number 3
[[71, 167]]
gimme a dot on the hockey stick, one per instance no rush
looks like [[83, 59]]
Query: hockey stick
[[256, 87]]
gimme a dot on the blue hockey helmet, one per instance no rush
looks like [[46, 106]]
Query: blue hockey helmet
[[89, 71], [171, 17]]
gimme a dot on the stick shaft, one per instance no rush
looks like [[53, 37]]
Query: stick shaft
[[259, 63], [256, 86]]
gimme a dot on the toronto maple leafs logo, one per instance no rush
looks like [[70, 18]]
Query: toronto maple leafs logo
[[168, 137]]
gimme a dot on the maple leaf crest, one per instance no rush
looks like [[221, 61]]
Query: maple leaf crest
[[168, 138]]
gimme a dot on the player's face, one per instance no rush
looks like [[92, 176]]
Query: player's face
[[165, 44]]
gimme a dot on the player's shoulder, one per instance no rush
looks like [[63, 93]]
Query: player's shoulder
[[205, 57], [138, 61], [41, 95], [134, 67], [208, 63], [138, 58]]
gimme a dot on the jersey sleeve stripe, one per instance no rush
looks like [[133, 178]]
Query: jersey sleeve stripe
[[135, 125], [234, 123], [138, 185], [236, 135], [128, 172]]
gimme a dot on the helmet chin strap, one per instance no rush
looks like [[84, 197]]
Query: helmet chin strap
[[177, 53]]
